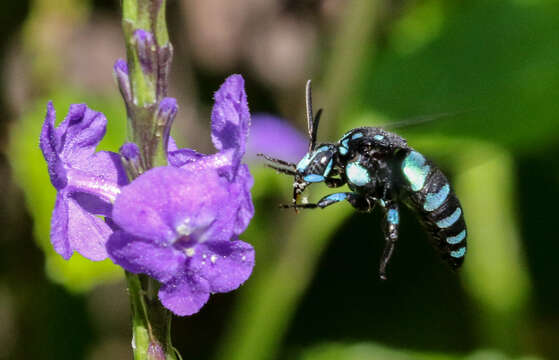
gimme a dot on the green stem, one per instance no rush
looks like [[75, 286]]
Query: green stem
[[141, 329], [151, 322], [147, 74], [160, 317]]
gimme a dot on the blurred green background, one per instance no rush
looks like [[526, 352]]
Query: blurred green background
[[491, 66]]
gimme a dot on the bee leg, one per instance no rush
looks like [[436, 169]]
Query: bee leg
[[391, 221], [359, 202], [334, 182]]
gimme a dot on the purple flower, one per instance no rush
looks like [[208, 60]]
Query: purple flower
[[230, 124], [180, 224], [87, 182]]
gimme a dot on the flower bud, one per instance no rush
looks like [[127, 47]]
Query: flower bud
[[165, 117], [120, 71], [146, 50], [155, 352], [130, 156]]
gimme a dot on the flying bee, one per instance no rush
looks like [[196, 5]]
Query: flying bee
[[379, 167]]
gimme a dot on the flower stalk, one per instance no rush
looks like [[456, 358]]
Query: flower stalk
[[151, 322], [144, 84], [143, 80]]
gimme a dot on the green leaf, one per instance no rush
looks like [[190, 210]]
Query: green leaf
[[497, 61]]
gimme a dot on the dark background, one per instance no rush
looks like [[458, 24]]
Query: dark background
[[492, 70]]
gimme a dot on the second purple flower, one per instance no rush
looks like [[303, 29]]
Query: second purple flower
[[180, 224]]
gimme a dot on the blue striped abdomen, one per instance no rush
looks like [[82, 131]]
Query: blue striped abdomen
[[428, 192]]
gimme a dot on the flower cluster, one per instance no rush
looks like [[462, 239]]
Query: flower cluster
[[178, 223]]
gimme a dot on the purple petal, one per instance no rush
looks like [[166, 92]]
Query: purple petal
[[80, 132], [70, 153], [114, 227], [166, 202], [185, 294], [75, 229], [245, 212], [87, 234], [181, 157], [231, 117], [92, 204], [172, 145], [224, 264], [49, 142], [108, 165], [275, 137], [221, 161], [139, 255], [59, 228], [102, 175], [235, 213]]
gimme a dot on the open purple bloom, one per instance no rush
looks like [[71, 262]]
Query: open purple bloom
[[165, 215], [180, 223], [230, 124], [87, 182]]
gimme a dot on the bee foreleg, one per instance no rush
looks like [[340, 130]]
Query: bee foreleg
[[391, 221], [358, 201]]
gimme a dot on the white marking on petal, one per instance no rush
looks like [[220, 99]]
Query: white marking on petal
[[184, 228]]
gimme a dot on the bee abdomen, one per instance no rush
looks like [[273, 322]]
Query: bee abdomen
[[431, 196]]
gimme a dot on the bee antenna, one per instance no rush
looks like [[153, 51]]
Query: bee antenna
[[312, 121]]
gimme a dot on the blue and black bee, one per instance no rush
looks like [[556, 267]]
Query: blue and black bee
[[380, 168]]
